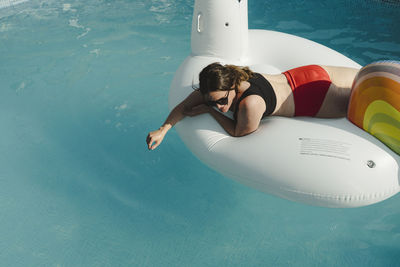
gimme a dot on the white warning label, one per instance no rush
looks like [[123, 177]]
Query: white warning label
[[324, 148]]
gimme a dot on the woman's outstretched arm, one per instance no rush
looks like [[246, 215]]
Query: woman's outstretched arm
[[247, 122], [154, 138], [226, 123]]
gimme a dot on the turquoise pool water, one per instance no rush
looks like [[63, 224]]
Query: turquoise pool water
[[82, 83]]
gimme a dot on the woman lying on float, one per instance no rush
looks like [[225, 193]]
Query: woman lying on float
[[317, 91]]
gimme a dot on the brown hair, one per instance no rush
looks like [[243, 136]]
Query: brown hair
[[217, 77]]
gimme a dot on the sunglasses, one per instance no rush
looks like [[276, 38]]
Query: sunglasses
[[221, 101]]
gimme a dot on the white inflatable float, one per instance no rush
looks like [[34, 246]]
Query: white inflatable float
[[323, 162]]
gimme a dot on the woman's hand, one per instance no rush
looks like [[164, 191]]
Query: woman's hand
[[197, 110], [155, 138]]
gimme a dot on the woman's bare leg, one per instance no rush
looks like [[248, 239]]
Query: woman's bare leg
[[337, 98]]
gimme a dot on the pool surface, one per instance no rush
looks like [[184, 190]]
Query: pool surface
[[81, 85]]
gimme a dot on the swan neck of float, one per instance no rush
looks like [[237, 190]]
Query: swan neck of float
[[220, 29]]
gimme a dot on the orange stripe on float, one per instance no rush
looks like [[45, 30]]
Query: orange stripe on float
[[361, 78], [377, 88]]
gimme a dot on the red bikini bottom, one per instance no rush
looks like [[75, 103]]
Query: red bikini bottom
[[309, 85]]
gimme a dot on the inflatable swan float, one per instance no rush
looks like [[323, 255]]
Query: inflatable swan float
[[323, 162]]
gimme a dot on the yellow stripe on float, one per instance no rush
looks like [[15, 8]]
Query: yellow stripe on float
[[387, 129], [380, 106]]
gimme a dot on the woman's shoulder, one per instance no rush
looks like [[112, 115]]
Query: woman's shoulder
[[247, 100], [252, 105], [251, 101]]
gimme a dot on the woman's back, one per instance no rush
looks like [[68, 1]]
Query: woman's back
[[334, 102]]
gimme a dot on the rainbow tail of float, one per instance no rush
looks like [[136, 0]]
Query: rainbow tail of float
[[375, 102]]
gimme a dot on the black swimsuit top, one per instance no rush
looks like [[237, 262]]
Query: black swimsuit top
[[259, 86]]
